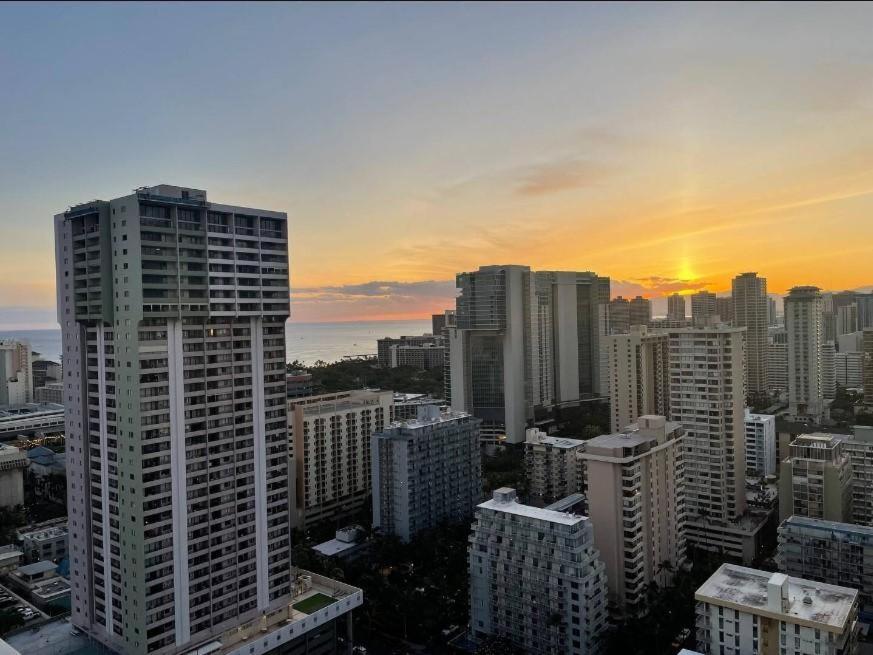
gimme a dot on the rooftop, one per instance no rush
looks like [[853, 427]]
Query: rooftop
[[42, 566], [334, 547], [428, 416], [751, 590], [833, 526], [505, 501], [560, 442]]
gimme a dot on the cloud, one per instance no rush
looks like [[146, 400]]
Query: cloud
[[560, 175], [375, 299], [655, 286]]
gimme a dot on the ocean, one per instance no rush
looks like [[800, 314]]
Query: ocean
[[306, 342]]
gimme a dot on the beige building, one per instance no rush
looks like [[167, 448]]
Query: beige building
[[702, 308], [16, 373], [12, 464], [634, 482], [638, 375], [867, 364], [816, 479], [330, 450], [804, 329], [750, 311], [676, 307], [742, 611], [553, 467], [724, 308], [707, 392]]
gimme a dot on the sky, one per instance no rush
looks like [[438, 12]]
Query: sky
[[668, 146]]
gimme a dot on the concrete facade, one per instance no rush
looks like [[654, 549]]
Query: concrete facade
[[707, 393], [702, 308], [761, 455], [639, 381], [13, 462], [804, 329], [553, 467], [556, 572], [742, 611], [16, 372], [172, 311], [425, 471], [524, 340], [635, 486], [330, 452], [828, 551], [816, 479], [749, 294]]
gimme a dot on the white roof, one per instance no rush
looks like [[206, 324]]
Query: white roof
[[747, 589], [515, 507], [333, 547], [560, 442]]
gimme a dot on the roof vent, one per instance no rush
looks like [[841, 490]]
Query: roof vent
[[807, 600]]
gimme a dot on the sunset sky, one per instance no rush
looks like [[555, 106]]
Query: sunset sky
[[667, 146]]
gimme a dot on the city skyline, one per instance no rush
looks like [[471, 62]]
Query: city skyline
[[507, 130]]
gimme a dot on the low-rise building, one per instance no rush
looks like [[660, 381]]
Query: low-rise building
[[420, 351], [536, 578], [10, 557], [425, 472], [553, 467], [52, 392], [406, 405], [47, 542], [330, 450], [299, 384], [742, 611], [12, 464], [760, 444], [828, 551], [634, 482]]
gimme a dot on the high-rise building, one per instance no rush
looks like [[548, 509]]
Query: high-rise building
[[828, 371], [771, 312], [750, 311], [849, 369], [859, 448], [742, 610], [524, 340], [803, 325], [864, 301], [16, 372], [552, 598], [440, 322], [173, 312], [619, 315], [639, 375], [724, 309], [635, 486], [330, 447], [867, 364], [702, 308], [828, 551], [553, 467], [777, 360], [640, 311], [847, 319], [816, 479], [676, 307], [425, 471], [706, 396], [760, 444]]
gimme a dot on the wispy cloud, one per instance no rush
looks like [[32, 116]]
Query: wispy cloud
[[561, 175], [386, 299]]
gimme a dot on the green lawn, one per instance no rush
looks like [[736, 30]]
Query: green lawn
[[313, 603]]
